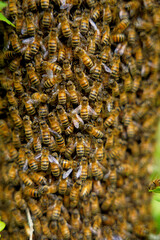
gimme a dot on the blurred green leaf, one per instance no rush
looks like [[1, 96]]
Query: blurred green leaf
[[4, 19], [156, 190], [2, 5], [2, 225]]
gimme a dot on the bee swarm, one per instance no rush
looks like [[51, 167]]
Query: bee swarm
[[79, 108]]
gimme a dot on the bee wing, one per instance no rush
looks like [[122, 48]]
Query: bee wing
[[53, 132], [53, 159], [107, 69], [76, 124], [91, 111], [107, 175], [76, 110], [93, 25], [66, 174], [78, 174], [38, 155], [25, 167], [28, 40], [49, 73], [28, 145]]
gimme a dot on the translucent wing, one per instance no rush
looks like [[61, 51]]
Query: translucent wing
[[53, 159], [107, 69], [78, 174], [66, 174], [38, 155]]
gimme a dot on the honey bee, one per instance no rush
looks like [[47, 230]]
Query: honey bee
[[28, 104], [67, 69], [122, 26], [156, 19], [118, 38], [62, 188], [33, 164], [27, 54], [36, 43], [5, 132], [17, 80], [70, 148], [15, 117], [105, 54], [139, 56], [85, 21], [43, 190], [131, 130], [75, 220], [65, 26], [31, 192], [11, 98], [37, 226], [95, 208], [32, 75], [61, 52], [27, 127], [38, 60], [75, 35], [60, 142], [140, 229], [99, 152], [96, 12], [54, 124], [13, 154], [132, 7], [43, 110], [83, 169], [111, 119], [69, 129], [115, 67], [19, 21], [44, 4], [16, 138], [45, 228], [93, 131], [14, 64], [21, 157], [30, 24], [55, 166], [72, 92], [82, 79], [12, 172], [53, 227], [74, 194], [52, 42], [45, 132], [35, 209], [87, 228], [15, 42], [57, 209], [64, 228], [84, 109], [81, 53], [147, 42], [20, 202], [91, 43], [45, 159], [62, 116], [132, 36], [38, 178], [47, 18], [18, 217], [95, 90], [86, 188], [12, 7], [79, 145], [107, 14], [26, 179], [96, 169]]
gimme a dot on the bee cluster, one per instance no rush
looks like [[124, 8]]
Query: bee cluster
[[79, 107]]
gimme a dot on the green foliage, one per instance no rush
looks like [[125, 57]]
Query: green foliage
[[2, 225], [2, 17], [156, 190]]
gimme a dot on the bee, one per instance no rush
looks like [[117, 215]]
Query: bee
[[28, 104], [26, 179], [79, 145], [36, 43], [85, 21], [32, 75], [98, 107], [64, 228], [44, 4], [45, 228], [5, 132], [27, 127], [93, 131], [115, 67], [118, 38], [19, 21], [17, 80], [132, 7], [81, 53], [86, 189], [14, 64], [31, 192], [16, 138], [38, 97], [67, 69], [96, 12], [96, 169], [20, 202], [36, 141], [72, 92], [95, 90], [95, 208], [65, 26], [52, 42], [107, 14], [132, 66], [45, 132], [47, 18], [35, 209], [62, 116], [43, 110], [125, 169], [32, 5], [53, 227], [131, 130], [52, 145], [70, 148], [74, 194], [60, 142], [83, 169], [127, 81], [12, 7], [11, 98], [27, 54], [87, 228], [99, 152], [105, 54], [140, 230], [38, 178], [132, 36], [110, 139], [12, 172], [15, 117], [84, 109], [45, 159], [37, 226], [156, 18], [21, 157], [75, 35], [75, 220], [33, 164], [147, 42], [106, 35], [61, 52], [69, 129], [38, 60], [57, 208], [30, 24], [62, 188], [54, 124], [82, 79], [111, 119], [43, 190], [55, 166], [18, 217], [122, 26]]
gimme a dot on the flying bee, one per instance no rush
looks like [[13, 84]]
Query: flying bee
[[32, 162], [52, 42], [28, 104], [45, 132], [47, 18], [14, 64], [16, 138], [32, 75], [65, 26], [106, 35], [107, 14], [85, 21], [54, 124], [84, 109], [95, 90], [38, 178], [82, 79], [62, 116], [13, 37], [27, 127], [75, 35], [81, 53], [30, 24], [62, 223], [55, 166], [111, 119], [15, 117], [93, 131], [11, 98], [17, 80], [74, 194], [26, 179]]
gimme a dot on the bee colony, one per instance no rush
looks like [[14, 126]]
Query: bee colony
[[79, 106]]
